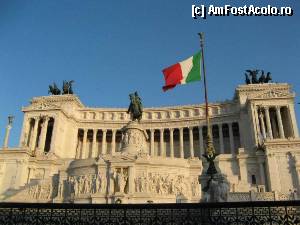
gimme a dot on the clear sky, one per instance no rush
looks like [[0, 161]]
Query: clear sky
[[112, 48]]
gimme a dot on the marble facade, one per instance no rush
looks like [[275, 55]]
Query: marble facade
[[72, 153]]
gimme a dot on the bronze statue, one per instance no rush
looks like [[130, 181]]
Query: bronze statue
[[262, 78], [268, 78], [53, 89], [211, 170], [253, 74], [67, 87], [247, 80], [135, 108]]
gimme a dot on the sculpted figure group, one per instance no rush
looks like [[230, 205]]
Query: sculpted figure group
[[251, 77], [87, 184], [66, 88], [40, 191], [166, 185]]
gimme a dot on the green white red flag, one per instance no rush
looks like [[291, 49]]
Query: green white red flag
[[183, 72]]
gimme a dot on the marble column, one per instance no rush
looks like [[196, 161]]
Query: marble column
[[262, 172], [7, 132], [191, 139], [221, 139], [201, 147], [181, 142], [84, 142], [113, 142], [152, 142], [104, 150], [34, 135], [25, 131], [280, 125], [294, 126], [43, 134], [161, 142], [171, 142], [269, 128], [262, 124], [231, 140], [94, 146]]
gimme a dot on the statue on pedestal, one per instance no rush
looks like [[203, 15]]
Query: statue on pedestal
[[135, 108]]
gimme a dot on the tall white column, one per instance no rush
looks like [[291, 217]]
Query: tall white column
[[181, 142], [161, 141], [279, 119], [113, 142], [269, 128], [262, 124], [53, 144], [104, 150], [191, 139], [34, 135], [291, 111], [201, 146], [152, 142], [7, 131], [84, 142], [171, 142], [25, 131], [231, 139], [43, 134], [94, 146], [221, 139]]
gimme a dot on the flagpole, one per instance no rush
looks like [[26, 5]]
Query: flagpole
[[210, 150]]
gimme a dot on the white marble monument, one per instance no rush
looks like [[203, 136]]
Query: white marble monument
[[72, 153]]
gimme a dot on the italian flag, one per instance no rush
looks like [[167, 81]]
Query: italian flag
[[183, 72]]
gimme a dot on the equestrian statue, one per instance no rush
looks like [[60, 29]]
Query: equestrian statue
[[135, 107]]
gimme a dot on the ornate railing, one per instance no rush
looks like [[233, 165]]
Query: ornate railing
[[243, 213]]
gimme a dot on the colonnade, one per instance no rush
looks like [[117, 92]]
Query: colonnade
[[274, 122], [38, 133], [182, 142]]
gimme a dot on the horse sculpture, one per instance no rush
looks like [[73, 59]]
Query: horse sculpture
[[53, 89], [253, 74], [67, 87], [135, 108]]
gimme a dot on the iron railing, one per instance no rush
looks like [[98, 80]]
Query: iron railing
[[243, 213]]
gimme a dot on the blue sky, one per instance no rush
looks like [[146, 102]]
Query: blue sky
[[112, 48]]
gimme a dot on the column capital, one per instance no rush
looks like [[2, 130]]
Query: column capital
[[104, 130], [278, 107], [191, 127], [152, 130], [171, 129], [162, 130]]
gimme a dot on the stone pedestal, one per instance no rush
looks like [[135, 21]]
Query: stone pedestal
[[134, 139]]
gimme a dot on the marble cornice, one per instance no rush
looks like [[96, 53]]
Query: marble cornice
[[282, 144]]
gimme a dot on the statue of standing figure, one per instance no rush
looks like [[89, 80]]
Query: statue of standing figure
[[135, 108], [120, 178]]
